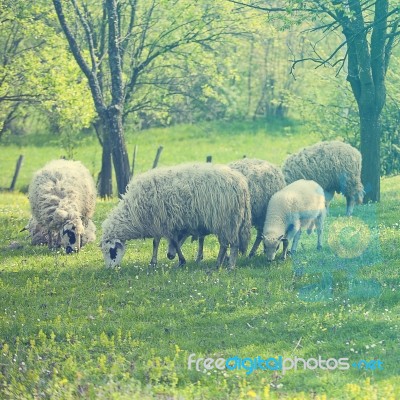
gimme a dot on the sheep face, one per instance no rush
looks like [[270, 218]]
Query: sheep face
[[271, 246], [353, 200], [70, 238], [113, 251]]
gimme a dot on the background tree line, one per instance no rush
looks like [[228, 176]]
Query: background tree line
[[122, 65]]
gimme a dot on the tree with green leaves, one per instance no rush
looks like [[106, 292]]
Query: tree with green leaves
[[369, 31], [37, 74], [117, 43]]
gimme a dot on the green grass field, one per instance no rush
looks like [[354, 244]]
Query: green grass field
[[225, 142], [69, 328]]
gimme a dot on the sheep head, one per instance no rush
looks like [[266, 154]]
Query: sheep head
[[71, 236], [356, 197], [113, 251], [271, 246]]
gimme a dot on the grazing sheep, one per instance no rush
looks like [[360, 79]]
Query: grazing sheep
[[335, 165], [40, 236], [62, 196], [299, 205], [264, 179], [191, 198]]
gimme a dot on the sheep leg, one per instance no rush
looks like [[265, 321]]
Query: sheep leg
[[295, 241], [221, 254], [172, 249], [156, 243], [350, 205], [328, 199], [233, 256], [181, 257], [50, 241], [320, 229], [171, 252], [79, 243], [58, 242], [285, 247], [200, 249], [256, 244]]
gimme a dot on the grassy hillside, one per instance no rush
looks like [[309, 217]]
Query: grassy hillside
[[69, 328]]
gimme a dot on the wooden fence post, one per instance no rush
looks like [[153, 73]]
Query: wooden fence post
[[159, 150], [17, 168], [134, 160]]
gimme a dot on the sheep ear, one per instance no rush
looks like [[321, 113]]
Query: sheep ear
[[118, 245], [280, 237]]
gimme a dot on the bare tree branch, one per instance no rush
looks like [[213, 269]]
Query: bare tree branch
[[389, 45], [90, 74], [272, 9], [88, 33], [9, 118], [114, 54], [21, 97], [378, 40]]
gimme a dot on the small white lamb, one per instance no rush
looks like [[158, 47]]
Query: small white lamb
[[300, 205]]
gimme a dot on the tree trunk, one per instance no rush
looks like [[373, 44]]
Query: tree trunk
[[105, 184], [370, 149], [104, 181], [113, 129]]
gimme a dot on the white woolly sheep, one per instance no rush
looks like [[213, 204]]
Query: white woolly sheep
[[62, 196], [40, 235], [334, 165], [300, 205], [192, 198], [264, 179]]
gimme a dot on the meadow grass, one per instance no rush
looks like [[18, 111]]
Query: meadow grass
[[69, 328], [224, 141]]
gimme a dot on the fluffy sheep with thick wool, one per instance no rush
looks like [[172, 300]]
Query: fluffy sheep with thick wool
[[40, 236], [62, 196], [193, 198], [300, 205], [264, 179], [334, 165]]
